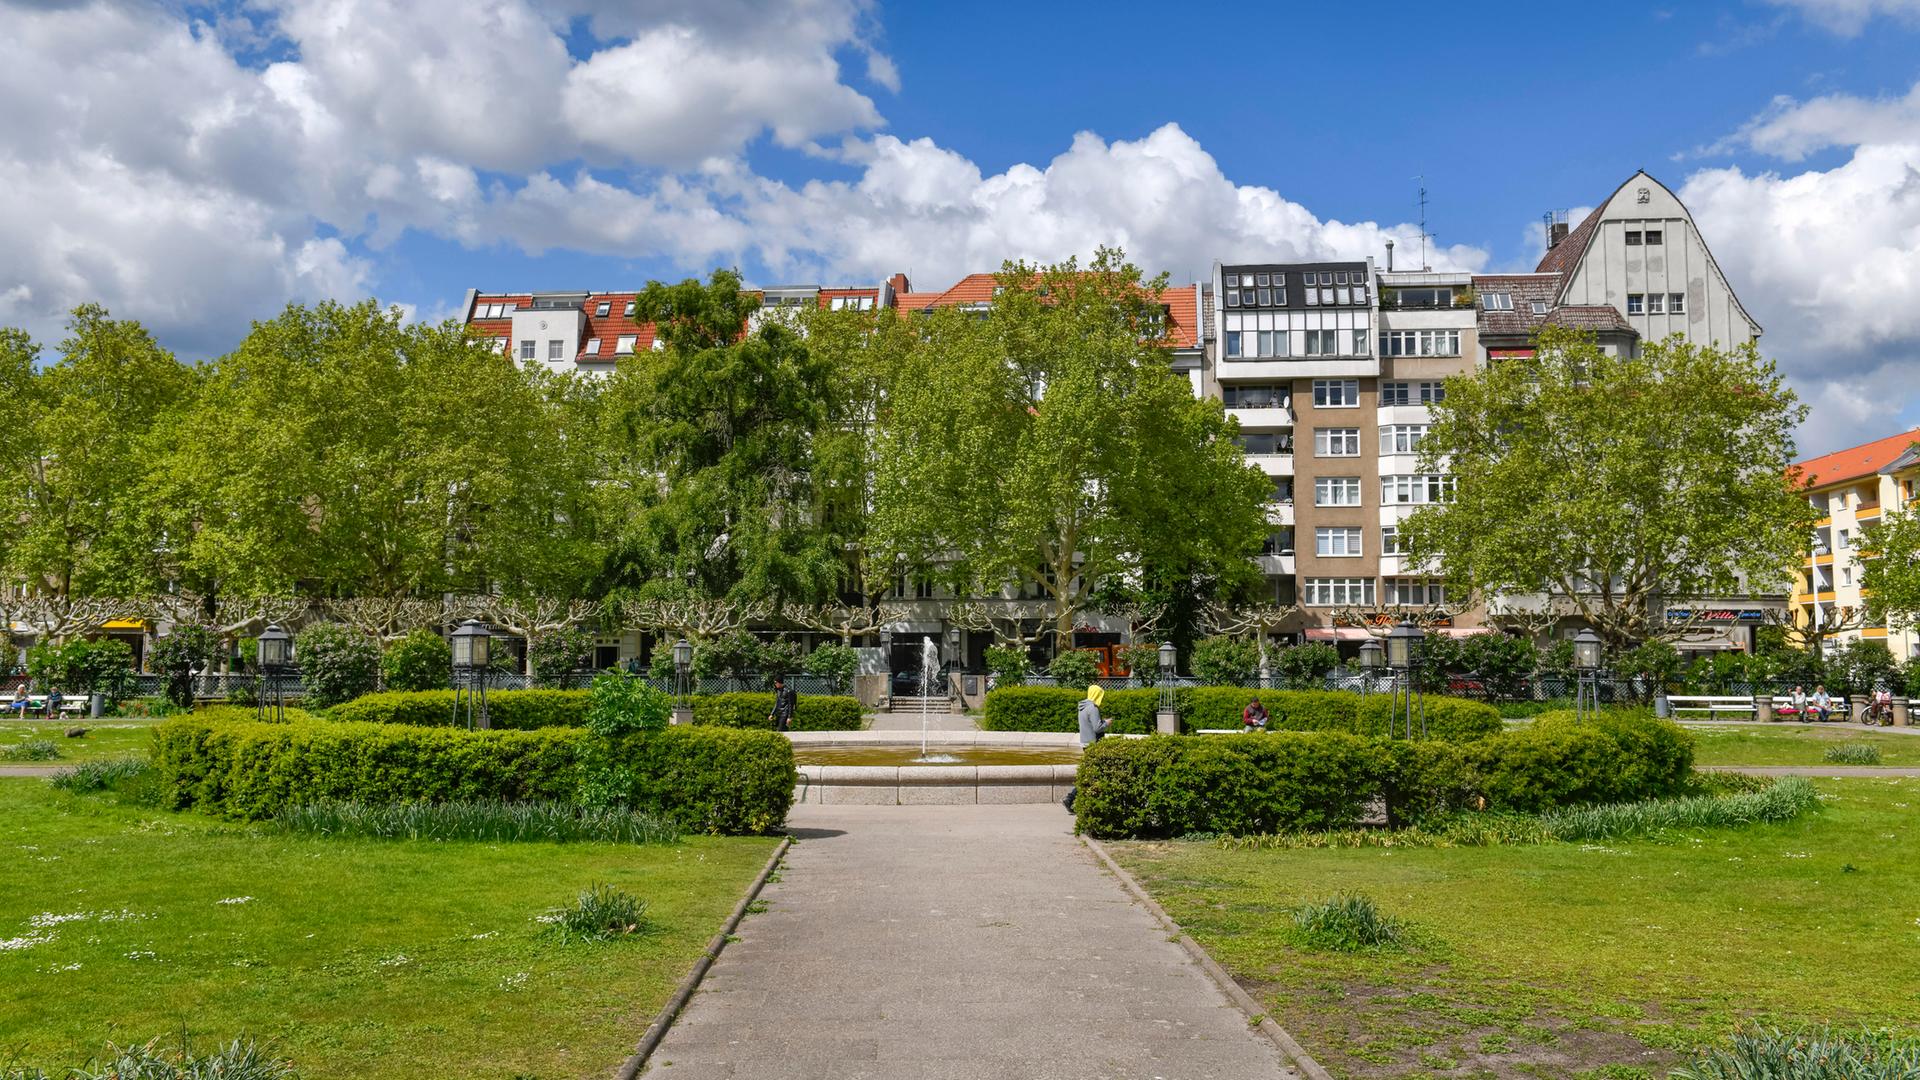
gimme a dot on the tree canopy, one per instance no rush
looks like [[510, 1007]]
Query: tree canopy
[[1617, 483]]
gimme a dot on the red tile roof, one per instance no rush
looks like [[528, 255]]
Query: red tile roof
[[1855, 461], [608, 328], [1183, 316], [1562, 257], [1525, 289]]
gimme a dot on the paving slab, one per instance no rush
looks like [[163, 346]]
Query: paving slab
[[927, 942]]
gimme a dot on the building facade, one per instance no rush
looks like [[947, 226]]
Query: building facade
[[1852, 489]]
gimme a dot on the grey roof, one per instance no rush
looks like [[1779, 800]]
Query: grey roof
[[1526, 290]]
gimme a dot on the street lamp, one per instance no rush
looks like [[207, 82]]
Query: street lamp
[[1372, 659], [1403, 656], [274, 650], [1587, 649], [1167, 722], [886, 661], [470, 658], [682, 672]]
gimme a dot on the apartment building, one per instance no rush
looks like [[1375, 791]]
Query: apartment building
[[1852, 489]]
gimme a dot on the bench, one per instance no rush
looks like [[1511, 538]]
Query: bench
[[1709, 704]]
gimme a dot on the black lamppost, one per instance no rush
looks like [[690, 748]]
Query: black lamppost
[[1587, 649], [1372, 658], [682, 677], [1167, 721], [470, 648], [1403, 656], [275, 653]]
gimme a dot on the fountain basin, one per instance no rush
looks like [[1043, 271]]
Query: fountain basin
[[938, 753], [930, 785]]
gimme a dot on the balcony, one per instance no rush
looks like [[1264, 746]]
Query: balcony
[[1261, 417], [1280, 513], [1279, 564], [1273, 464]]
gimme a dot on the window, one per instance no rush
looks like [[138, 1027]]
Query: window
[[1336, 491], [593, 346], [1840, 539], [1846, 575], [1233, 342], [1359, 343], [603, 309], [1414, 592], [1417, 489], [1266, 297], [1233, 281], [1312, 294], [1339, 591], [1340, 542], [505, 345], [1539, 307], [1390, 540], [1336, 393], [1497, 301], [1233, 297], [556, 349], [1653, 237], [1262, 280], [1677, 303], [1336, 442], [624, 346], [1401, 438], [1405, 393], [526, 350], [1253, 397], [1656, 303], [1636, 303], [1420, 343], [1324, 342], [1633, 237]]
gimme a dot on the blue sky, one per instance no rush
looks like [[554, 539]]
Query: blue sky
[[199, 166]]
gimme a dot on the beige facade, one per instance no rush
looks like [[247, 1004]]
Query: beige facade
[[1854, 489]]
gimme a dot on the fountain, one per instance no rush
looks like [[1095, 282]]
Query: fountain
[[929, 675]]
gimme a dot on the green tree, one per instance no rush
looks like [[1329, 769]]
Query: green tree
[[837, 664], [1305, 666], [187, 648], [559, 653], [420, 661], [1502, 661], [1049, 445], [1619, 483], [711, 451], [1225, 661], [1888, 557], [337, 663]]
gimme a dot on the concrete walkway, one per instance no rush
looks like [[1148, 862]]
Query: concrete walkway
[[978, 942]]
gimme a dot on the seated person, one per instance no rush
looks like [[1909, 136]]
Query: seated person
[[1796, 704], [1822, 704], [1254, 716]]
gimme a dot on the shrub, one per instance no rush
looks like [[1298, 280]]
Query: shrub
[[1655, 662], [559, 653], [1347, 923], [1617, 757], [1659, 753], [186, 648], [837, 664], [812, 712], [248, 714], [516, 710], [98, 775], [1142, 661], [1857, 753], [1452, 719], [1055, 708], [618, 704], [241, 1059], [31, 750], [1765, 1053], [1007, 666], [1501, 661], [546, 822], [1174, 785], [702, 779], [1222, 661], [420, 661], [337, 663], [1781, 800], [103, 667], [1074, 669], [600, 913], [1306, 666]]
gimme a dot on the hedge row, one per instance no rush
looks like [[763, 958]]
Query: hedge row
[[528, 710], [1054, 708], [1283, 781], [1049, 708], [705, 780]]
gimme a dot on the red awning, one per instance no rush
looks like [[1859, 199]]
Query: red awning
[[1355, 633]]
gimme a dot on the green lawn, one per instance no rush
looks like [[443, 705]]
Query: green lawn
[[107, 737], [1795, 744], [361, 958], [1607, 960]]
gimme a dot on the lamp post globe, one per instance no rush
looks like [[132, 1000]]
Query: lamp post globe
[[1372, 656], [1167, 658], [274, 647], [1403, 646], [1586, 650], [682, 656], [469, 641]]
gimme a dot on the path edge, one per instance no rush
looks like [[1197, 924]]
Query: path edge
[[630, 1068], [1256, 1016]]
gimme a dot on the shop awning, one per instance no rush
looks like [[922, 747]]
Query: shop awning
[[133, 625]]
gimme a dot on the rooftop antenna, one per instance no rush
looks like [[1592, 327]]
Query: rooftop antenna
[[1424, 234]]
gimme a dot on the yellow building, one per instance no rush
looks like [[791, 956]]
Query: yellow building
[[1851, 489]]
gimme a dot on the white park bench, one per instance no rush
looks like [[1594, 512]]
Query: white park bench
[[1711, 705]]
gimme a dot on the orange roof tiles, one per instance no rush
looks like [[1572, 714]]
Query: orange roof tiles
[[1855, 461]]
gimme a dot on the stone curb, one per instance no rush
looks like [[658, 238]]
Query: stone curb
[[669, 1012], [1256, 1016]]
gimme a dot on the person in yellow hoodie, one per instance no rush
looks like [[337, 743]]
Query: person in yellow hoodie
[[1092, 726]]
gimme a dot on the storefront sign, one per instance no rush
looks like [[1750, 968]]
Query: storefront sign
[[1745, 616]]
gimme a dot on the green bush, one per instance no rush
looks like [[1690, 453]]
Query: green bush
[[617, 704], [337, 663], [1007, 666], [186, 648], [1217, 707], [812, 712], [1616, 757], [1306, 666], [601, 913], [420, 661], [837, 664], [559, 653], [103, 667], [1168, 786], [1055, 708], [236, 713], [1222, 661], [516, 710], [1502, 662], [1765, 1053], [1074, 669], [702, 779], [1142, 661]]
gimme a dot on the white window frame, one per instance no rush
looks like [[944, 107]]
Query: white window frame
[[1344, 489], [623, 346], [1336, 442], [628, 312], [1338, 592], [1390, 540], [1656, 303], [1416, 489], [1402, 438], [556, 349], [1338, 541], [1413, 591], [1677, 303], [603, 309], [1497, 301], [1636, 303], [1233, 347], [1323, 393], [593, 346], [528, 348]]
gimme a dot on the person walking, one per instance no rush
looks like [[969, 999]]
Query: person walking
[[1092, 726], [785, 702], [1254, 716]]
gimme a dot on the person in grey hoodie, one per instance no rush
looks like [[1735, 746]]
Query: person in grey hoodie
[[1092, 726]]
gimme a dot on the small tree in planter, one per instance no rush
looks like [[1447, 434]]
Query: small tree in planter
[[188, 648], [420, 661], [337, 663]]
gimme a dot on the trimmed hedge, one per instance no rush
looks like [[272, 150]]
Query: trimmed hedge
[[1448, 718], [1054, 708], [750, 710], [528, 710], [705, 780], [246, 714], [1288, 781]]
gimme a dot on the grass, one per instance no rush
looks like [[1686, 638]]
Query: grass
[[1347, 924], [557, 823], [1613, 958], [600, 913], [1795, 745], [241, 1059], [30, 750], [104, 738], [1817, 1054], [349, 958], [99, 774], [1853, 753]]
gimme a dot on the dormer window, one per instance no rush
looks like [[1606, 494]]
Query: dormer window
[[628, 312], [593, 347], [603, 309], [1497, 301], [1539, 307]]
